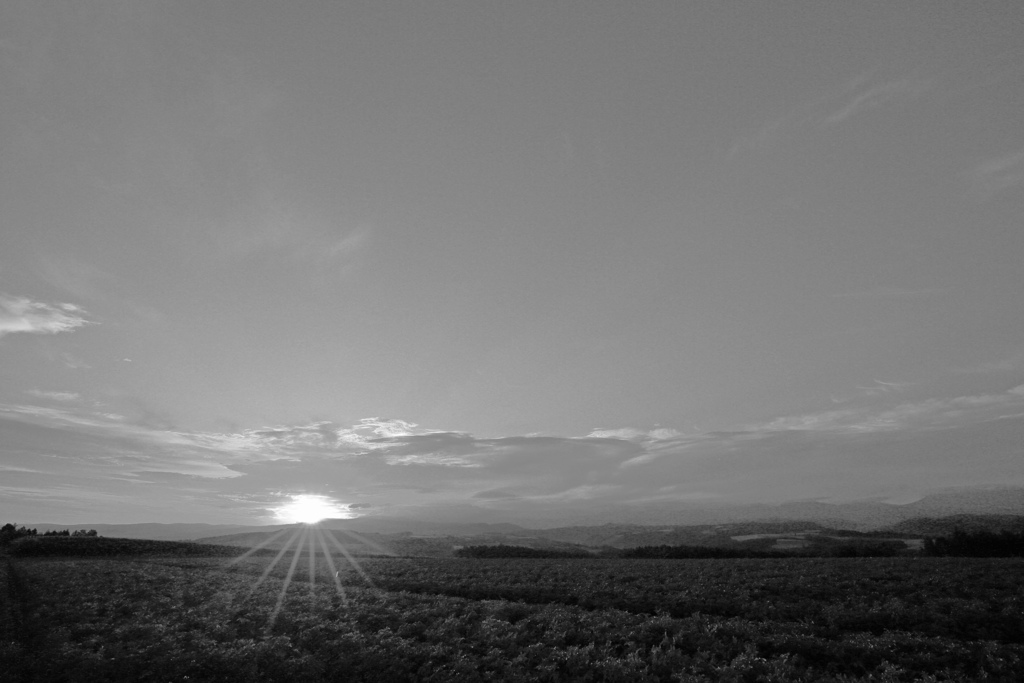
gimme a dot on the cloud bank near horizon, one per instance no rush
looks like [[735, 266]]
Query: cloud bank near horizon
[[76, 460]]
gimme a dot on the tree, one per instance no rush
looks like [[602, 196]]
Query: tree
[[9, 532]]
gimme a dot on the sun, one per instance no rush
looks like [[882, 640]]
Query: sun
[[309, 509]]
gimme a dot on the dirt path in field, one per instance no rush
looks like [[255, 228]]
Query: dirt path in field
[[17, 624]]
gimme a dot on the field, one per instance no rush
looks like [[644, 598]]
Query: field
[[177, 618]]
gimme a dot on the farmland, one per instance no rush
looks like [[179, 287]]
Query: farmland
[[180, 617]]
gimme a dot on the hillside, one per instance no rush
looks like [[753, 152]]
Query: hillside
[[590, 540], [944, 526], [72, 546]]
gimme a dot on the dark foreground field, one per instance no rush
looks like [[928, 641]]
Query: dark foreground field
[[186, 618]]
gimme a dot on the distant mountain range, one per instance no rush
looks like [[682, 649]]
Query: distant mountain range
[[865, 515], [934, 514], [750, 535]]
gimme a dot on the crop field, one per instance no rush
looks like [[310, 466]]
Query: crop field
[[178, 618]]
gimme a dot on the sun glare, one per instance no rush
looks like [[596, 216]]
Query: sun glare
[[310, 509]]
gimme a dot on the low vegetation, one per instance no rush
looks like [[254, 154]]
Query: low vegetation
[[89, 546], [976, 544], [181, 618], [87, 608]]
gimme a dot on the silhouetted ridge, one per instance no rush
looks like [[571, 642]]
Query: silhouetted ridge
[[502, 550]]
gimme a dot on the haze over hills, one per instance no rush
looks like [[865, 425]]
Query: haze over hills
[[864, 515], [809, 537], [859, 516], [619, 536]]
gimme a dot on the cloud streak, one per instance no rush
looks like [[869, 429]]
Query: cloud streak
[[832, 108], [878, 96], [20, 314], [64, 396]]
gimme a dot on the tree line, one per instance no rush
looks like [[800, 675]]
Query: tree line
[[503, 550], [9, 532], [976, 544], [959, 544]]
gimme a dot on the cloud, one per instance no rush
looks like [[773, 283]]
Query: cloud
[[74, 362], [997, 174], [329, 249], [877, 96], [104, 445], [304, 245], [834, 107], [19, 314], [926, 414], [1010, 364], [394, 465], [832, 453], [631, 434], [56, 395], [495, 494], [323, 438], [878, 388], [84, 281], [76, 277], [283, 234]]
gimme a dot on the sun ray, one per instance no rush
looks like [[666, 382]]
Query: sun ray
[[352, 560], [270, 567], [306, 538], [363, 539], [287, 581], [312, 558], [330, 564], [261, 545]]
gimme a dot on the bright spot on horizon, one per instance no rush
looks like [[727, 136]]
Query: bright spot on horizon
[[309, 509]]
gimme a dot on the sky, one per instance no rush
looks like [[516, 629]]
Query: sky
[[495, 259]]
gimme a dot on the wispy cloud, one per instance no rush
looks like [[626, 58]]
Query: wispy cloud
[[19, 314], [105, 444], [925, 414], [632, 434], [302, 245], [1012, 363], [838, 105], [80, 279], [284, 234], [329, 249], [73, 362], [877, 388], [995, 175], [56, 395], [84, 281], [876, 96]]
